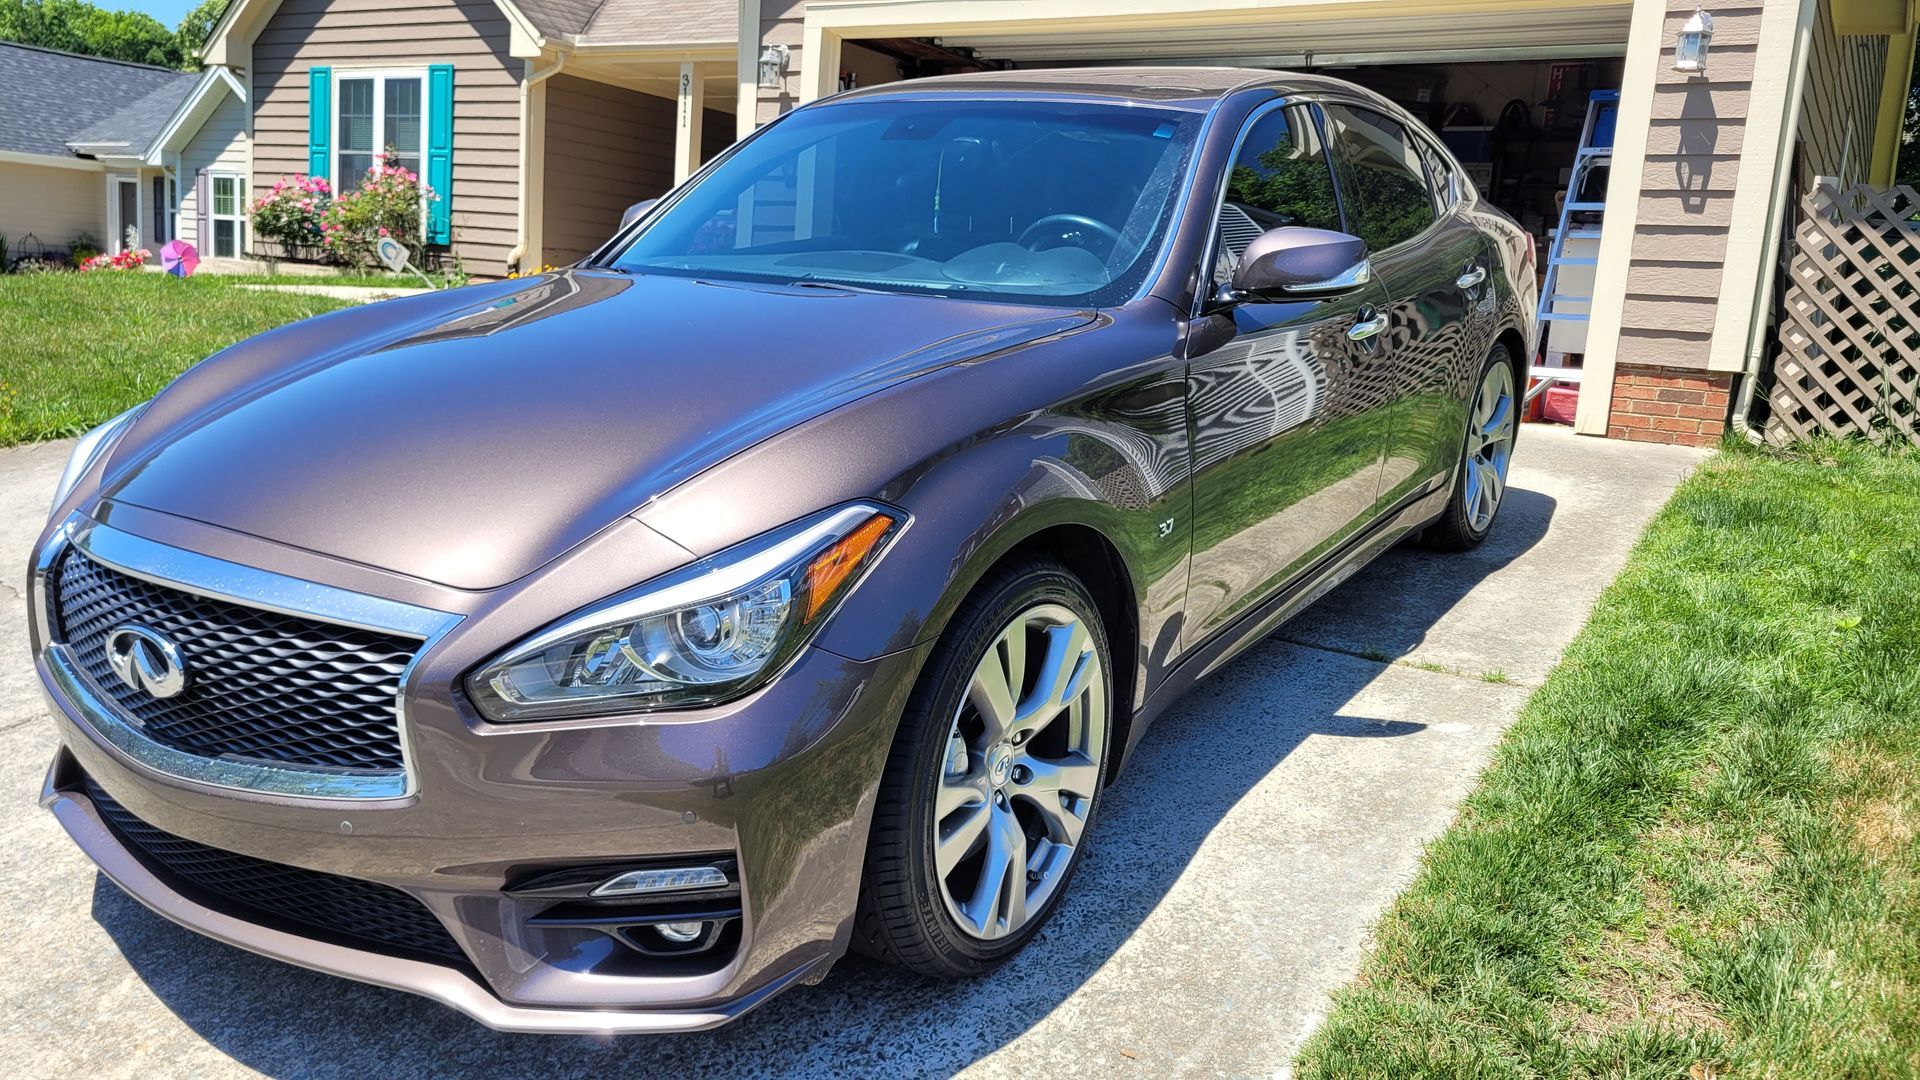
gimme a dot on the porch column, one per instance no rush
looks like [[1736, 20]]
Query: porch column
[[686, 131]]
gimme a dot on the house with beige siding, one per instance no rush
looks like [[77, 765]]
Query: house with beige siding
[[540, 120], [536, 122], [74, 132]]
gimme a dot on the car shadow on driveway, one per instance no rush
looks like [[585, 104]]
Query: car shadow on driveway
[[1211, 756]]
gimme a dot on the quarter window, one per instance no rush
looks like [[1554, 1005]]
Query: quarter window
[[374, 112], [1280, 176], [1446, 184], [1387, 184], [228, 216]]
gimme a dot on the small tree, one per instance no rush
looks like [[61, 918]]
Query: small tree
[[195, 28]]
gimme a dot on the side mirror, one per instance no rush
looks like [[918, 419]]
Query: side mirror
[[1297, 262], [636, 211]]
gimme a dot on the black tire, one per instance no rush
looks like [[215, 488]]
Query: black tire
[[902, 917], [1452, 530]]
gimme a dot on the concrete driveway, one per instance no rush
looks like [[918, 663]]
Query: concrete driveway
[[1266, 822]]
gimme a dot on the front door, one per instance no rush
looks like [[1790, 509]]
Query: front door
[[1435, 265], [126, 215], [1288, 416]]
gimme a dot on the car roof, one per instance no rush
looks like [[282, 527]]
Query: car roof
[[1197, 88]]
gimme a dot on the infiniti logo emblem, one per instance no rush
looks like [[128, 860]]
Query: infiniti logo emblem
[[146, 661]]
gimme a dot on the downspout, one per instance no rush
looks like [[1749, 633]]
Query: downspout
[[526, 151], [1777, 209]]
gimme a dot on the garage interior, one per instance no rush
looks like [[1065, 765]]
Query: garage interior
[[1511, 101]]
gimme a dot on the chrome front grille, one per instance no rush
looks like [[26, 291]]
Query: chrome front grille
[[262, 686]]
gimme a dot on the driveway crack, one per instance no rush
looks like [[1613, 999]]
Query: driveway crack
[[1380, 656]]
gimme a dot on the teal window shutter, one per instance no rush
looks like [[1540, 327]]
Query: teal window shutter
[[440, 153], [319, 121]]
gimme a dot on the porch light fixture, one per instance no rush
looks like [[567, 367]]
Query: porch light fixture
[[1690, 50], [773, 67]]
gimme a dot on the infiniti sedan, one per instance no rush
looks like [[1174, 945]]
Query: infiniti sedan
[[610, 649]]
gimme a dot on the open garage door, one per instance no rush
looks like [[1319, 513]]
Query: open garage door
[[1507, 85]]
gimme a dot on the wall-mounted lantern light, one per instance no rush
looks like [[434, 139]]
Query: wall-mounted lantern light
[[773, 67], [1690, 51]]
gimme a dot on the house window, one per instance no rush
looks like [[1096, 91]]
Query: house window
[[376, 111], [228, 216]]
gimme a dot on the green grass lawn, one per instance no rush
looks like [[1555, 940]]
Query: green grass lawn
[[1697, 853], [77, 348]]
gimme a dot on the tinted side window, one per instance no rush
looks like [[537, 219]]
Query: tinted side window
[[1387, 189], [1281, 175]]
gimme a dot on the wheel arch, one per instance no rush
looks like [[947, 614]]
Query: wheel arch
[[1092, 556]]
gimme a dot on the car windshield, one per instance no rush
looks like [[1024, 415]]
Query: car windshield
[[1019, 201]]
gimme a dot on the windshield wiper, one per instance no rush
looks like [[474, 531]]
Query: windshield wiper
[[837, 286]]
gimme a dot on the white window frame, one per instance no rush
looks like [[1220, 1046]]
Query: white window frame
[[379, 77], [211, 248]]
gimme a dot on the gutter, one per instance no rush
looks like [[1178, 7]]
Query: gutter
[[533, 78], [1777, 209]]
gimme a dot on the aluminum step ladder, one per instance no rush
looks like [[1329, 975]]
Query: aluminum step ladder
[[1579, 220]]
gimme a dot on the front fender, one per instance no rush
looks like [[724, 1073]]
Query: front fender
[[984, 455]]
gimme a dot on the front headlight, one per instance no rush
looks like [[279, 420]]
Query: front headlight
[[702, 635], [88, 450]]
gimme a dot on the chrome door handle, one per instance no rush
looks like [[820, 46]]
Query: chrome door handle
[[1366, 328], [1474, 276]]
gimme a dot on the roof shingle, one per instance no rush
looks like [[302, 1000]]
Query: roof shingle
[[50, 98]]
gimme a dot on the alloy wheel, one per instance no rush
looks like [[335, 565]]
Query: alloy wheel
[[1489, 447], [1020, 772]]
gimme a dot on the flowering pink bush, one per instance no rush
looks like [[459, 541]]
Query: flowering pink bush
[[292, 212], [390, 201], [125, 260]]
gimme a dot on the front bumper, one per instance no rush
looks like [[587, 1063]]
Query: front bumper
[[781, 783], [447, 985]]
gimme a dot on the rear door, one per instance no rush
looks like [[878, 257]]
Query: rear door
[[1289, 416], [1434, 264]]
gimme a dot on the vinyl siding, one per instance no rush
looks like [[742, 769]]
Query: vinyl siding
[[219, 146], [54, 204], [607, 148], [472, 35], [1686, 196], [1842, 107], [783, 22]]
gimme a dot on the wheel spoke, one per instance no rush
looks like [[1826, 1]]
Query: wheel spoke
[[999, 901], [1492, 482], [957, 838], [1063, 819], [1064, 671], [958, 791], [1073, 775], [1494, 428], [995, 688]]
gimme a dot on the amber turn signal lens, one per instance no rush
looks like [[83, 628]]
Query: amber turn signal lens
[[831, 569]]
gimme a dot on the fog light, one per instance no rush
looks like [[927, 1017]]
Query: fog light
[[640, 882], [681, 933]]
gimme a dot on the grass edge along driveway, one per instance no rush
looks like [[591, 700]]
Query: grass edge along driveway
[[76, 349], [1695, 854]]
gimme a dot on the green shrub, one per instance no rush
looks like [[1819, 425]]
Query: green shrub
[[390, 202]]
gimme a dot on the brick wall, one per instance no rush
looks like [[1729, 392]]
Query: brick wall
[[1656, 404]]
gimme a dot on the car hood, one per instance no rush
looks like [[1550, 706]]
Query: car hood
[[468, 437]]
